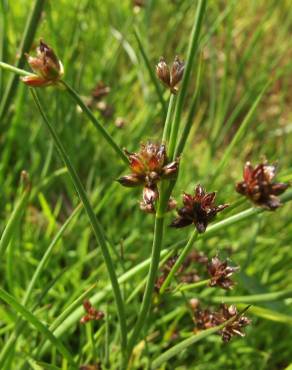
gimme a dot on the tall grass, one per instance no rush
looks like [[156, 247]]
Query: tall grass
[[233, 106]]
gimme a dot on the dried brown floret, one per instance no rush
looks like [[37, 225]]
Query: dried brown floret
[[100, 91], [234, 327], [206, 319], [259, 187], [149, 166], [220, 273], [198, 209], [92, 314], [47, 67]]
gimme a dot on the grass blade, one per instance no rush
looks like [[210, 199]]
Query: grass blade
[[34, 321], [27, 40]]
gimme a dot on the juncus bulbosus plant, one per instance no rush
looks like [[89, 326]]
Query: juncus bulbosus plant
[[155, 169]]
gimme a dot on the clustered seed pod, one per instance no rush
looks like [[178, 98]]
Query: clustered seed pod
[[92, 314], [149, 166], [170, 77], [220, 273], [199, 210], [47, 67], [259, 187], [205, 319]]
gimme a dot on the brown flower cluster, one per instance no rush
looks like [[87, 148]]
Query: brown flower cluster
[[220, 273], [92, 314], [205, 319], [259, 187], [149, 166], [47, 67], [198, 209], [170, 77]]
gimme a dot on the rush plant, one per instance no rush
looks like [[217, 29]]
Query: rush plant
[[133, 290]]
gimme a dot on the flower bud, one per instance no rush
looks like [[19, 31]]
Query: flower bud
[[47, 67], [130, 181], [163, 72], [171, 169], [177, 71]]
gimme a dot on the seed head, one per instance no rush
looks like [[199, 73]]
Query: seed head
[[92, 314], [149, 166], [235, 327], [206, 319], [170, 77], [198, 209], [47, 67], [259, 187], [220, 273]]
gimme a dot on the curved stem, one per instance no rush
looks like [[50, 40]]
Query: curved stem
[[26, 42], [97, 228], [178, 262], [95, 122]]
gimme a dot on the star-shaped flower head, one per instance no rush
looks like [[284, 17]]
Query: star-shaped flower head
[[233, 328], [259, 187], [220, 273], [198, 209]]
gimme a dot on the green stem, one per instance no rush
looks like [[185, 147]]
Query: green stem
[[26, 42], [18, 71], [193, 47], [95, 122], [156, 247], [178, 348], [254, 298], [178, 262], [97, 228], [167, 126], [12, 222], [184, 287], [146, 303]]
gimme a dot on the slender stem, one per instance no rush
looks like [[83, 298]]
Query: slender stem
[[150, 70], [13, 220], [95, 122], [184, 287], [181, 346], [18, 71], [167, 126], [97, 228], [26, 42], [193, 47], [146, 303], [156, 247], [178, 262], [81, 104]]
